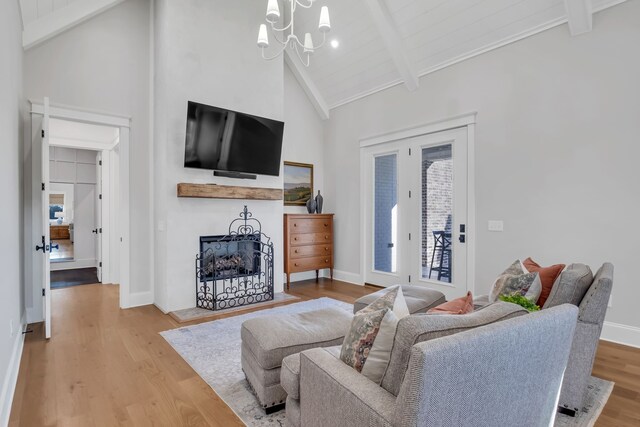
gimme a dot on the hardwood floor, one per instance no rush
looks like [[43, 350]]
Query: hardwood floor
[[108, 367]]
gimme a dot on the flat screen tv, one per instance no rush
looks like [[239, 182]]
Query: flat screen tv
[[225, 140]]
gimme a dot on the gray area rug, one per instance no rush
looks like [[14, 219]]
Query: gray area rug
[[212, 349]]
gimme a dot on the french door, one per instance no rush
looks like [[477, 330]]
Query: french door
[[416, 207], [45, 245]]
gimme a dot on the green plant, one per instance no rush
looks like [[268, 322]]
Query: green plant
[[516, 298]]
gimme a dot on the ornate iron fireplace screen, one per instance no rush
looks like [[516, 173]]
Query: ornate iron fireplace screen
[[235, 269]]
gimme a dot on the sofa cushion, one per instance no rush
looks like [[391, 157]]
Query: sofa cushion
[[273, 337], [361, 336], [418, 298], [516, 279], [424, 327], [571, 286], [462, 305], [290, 373], [548, 276]]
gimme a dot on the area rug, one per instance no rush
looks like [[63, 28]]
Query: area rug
[[598, 392], [212, 349], [191, 314]]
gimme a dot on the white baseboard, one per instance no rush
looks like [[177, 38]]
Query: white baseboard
[[11, 377], [621, 334], [343, 276], [140, 298], [346, 276], [71, 265]]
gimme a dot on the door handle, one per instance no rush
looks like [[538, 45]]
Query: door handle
[[41, 247], [52, 247], [95, 231]]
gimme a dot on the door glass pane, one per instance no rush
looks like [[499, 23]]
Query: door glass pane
[[437, 212], [386, 213]]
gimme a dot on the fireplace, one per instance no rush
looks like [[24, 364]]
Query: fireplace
[[235, 269]]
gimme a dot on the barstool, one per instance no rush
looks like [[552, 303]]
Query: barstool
[[442, 242]]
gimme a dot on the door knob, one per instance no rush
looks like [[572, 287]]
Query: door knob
[[52, 247], [42, 248], [95, 231]]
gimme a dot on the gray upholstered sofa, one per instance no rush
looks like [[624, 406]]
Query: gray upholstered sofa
[[577, 286], [489, 368]]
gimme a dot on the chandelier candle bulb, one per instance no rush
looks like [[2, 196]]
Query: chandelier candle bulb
[[273, 11], [308, 43], [263, 37], [325, 23]]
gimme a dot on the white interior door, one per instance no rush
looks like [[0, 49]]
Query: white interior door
[[416, 207], [46, 234], [98, 215]]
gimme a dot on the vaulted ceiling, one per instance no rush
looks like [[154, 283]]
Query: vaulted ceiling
[[381, 42]]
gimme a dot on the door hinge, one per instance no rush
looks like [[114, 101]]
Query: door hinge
[[100, 231], [43, 186], [43, 133], [42, 291], [409, 236], [100, 196], [100, 163], [409, 278], [100, 264], [409, 193], [409, 151]]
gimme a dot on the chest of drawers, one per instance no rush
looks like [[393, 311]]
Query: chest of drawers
[[308, 243]]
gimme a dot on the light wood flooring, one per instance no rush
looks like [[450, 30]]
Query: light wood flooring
[[108, 367]]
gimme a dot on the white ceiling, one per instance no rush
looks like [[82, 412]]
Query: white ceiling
[[382, 42], [433, 34]]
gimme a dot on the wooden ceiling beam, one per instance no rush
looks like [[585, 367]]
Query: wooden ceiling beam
[[579, 16], [393, 42]]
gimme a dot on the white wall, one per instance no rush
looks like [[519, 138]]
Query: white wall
[[203, 54], [556, 150], [12, 314], [303, 142], [103, 64]]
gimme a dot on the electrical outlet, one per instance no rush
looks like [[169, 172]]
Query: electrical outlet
[[610, 304]]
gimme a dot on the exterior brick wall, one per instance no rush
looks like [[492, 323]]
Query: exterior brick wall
[[437, 205]]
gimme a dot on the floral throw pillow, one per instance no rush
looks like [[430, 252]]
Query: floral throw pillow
[[516, 279], [360, 338]]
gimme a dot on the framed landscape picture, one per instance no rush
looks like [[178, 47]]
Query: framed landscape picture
[[298, 183]]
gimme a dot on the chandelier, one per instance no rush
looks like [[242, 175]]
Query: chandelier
[[289, 37]]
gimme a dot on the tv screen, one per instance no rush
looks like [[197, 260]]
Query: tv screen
[[225, 140]]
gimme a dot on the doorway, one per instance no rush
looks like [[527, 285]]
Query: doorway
[[79, 192], [417, 210]]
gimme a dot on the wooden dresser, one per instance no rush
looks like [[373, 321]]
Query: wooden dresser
[[59, 232], [308, 243]]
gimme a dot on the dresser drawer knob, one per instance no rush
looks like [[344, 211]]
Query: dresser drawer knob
[[326, 237], [326, 260], [295, 225], [326, 225], [296, 251], [296, 264], [326, 248], [295, 238]]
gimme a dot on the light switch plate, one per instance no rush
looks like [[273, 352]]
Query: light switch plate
[[496, 225]]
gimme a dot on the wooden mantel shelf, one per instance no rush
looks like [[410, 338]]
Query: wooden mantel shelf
[[213, 191]]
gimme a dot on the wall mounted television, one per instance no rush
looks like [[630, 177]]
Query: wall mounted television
[[232, 143]]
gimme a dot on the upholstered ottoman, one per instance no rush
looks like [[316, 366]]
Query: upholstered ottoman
[[419, 299], [269, 339]]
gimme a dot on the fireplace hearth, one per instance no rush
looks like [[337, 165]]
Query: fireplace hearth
[[235, 269]]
